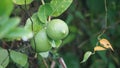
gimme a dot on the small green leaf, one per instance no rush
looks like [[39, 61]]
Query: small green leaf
[[19, 33], [22, 2], [59, 6], [6, 7], [86, 56], [9, 25], [4, 58], [44, 11], [18, 57], [37, 25], [56, 43], [44, 54]]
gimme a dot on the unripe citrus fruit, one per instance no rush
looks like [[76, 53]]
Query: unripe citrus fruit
[[57, 29], [41, 41]]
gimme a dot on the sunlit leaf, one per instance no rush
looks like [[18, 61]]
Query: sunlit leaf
[[22, 2], [37, 25], [44, 11], [99, 48], [44, 54], [9, 25], [3, 20], [56, 43], [86, 56], [105, 43], [6, 7], [59, 6], [4, 58], [19, 33], [18, 57]]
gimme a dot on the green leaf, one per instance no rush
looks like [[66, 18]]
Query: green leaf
[[18, 57], [56, 43], [6, 7], [9, 25], [1, 66], [27, 65], [22, 2], [37, 25], [43, 12], [59, 6], [19, 33], [86, 56], [4, 58], [3, 20], [44, 54]]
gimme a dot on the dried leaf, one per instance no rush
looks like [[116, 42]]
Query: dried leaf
[[99, 48], [105, 43]]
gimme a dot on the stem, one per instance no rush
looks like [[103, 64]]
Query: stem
[[31, 22], [53, 64], [61, 61], [106, 13], [49, 18], [45, 63], [43, 2], [105, 27]]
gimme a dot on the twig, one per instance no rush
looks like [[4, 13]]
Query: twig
[[45, 63], [61, 61], [43, 2], [53, 64], [83, 43], [31, 22], [105, 2]]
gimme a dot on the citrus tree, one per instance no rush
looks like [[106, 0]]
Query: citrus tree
[[42, 31], [33, 33]]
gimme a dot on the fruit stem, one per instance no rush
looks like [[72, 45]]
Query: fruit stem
[[49, 18]]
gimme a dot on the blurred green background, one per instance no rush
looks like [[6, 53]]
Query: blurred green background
[[86, 19]]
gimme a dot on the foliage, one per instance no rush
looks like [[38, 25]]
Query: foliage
[[92, 41]]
